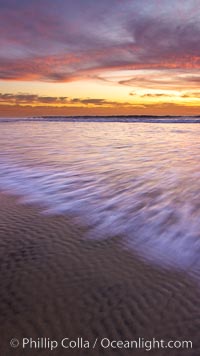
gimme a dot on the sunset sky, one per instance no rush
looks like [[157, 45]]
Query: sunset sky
[[111, 57]]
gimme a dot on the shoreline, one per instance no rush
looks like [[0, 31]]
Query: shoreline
[[55, 284]]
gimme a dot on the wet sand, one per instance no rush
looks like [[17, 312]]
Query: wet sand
[[57, 284]]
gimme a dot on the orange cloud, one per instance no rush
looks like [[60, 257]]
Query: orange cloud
[[148, 109]]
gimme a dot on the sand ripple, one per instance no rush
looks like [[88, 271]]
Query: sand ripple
[[56, 284]]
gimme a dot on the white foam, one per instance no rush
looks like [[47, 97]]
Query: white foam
[[146, 196]]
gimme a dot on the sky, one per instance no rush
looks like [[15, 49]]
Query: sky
[[108, 57]]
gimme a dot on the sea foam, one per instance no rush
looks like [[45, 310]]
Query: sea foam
[[138, 182]]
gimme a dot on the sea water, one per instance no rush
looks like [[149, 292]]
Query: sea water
[[139, 181]]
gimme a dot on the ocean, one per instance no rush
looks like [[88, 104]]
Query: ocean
[[137, 180]]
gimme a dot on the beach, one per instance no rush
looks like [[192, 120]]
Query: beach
[[99, 178], [56, 284], [99, 238]]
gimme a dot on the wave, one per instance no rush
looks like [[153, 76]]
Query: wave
[[138, 183], [146, 218], [124, 119]]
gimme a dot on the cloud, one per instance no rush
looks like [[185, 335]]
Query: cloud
[[61, 41], [91, 101], [168, 108], [34, 99], [164, 79], [21, 99], [151, 95], [191, 95]]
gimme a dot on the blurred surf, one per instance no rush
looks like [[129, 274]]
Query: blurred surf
[[139, 182]]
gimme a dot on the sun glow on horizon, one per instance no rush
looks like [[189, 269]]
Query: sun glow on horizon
[[110, 59]]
